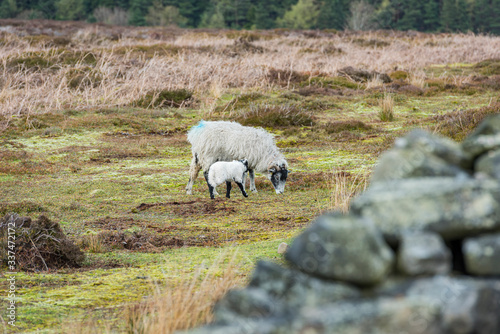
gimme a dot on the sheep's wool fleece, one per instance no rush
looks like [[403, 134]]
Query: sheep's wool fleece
[[227, 141], [223, 171]]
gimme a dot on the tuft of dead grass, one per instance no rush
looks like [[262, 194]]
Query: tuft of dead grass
[[344, 186], [386, 114], [187, 305]]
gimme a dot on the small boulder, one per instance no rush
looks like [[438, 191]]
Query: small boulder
[[454, 208], [482, 255], [420, 154], [423, 253], [486, 137], [282, 248], [376, 316], [298, 289], [345, 248], [467, 306], [489, 164]]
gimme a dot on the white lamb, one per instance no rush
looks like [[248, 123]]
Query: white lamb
[[227, 141], [224, 171]]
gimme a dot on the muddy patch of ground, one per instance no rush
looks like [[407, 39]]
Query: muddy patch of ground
[[189, 208]]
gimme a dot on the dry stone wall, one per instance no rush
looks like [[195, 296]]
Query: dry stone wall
[[419, 252]]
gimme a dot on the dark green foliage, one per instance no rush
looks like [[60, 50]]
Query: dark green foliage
[[164, 98], [425, 15], [138, 11], [454, 16], [333, 14]]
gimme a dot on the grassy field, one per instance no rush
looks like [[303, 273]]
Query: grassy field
[[93, 135]]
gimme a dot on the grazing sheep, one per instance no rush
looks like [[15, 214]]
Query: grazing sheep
[[227, 141], [224, 171]]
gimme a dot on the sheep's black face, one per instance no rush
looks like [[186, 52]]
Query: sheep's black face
[[278, 179]]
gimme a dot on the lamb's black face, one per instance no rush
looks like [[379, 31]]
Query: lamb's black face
[[278, 179], [244, 162]]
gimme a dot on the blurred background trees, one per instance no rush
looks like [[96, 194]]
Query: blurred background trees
[[480, 16]]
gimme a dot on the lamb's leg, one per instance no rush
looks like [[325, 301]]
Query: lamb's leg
[[210, 188], [241, 188], [194, 169], [228, 189], [251, 174]]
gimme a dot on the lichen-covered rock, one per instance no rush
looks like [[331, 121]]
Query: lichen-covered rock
[[489, 164], [409, 163], [345, 248], [482, 255], [423, 253], [248, 303], [450, 207], [421, 154], [486, 137], [378, 316], [467, 306], [298, 289]]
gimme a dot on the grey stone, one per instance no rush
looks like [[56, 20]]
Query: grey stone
[[380, 316], [409, 163], [484, 138], [439, 146], [467, 306], [298, 289], [282, 248], [479, 145], [489, 164], [423, 253], [482, 255], [420, 154], [450, 207], [345, 248], [249, 302]]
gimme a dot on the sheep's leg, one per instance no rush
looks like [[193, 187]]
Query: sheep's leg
[[228, 189], [194, 169], [210, 188], [242, 189], [244, 178], [251, 174]]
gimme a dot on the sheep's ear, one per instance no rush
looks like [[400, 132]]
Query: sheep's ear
[[272, 170]]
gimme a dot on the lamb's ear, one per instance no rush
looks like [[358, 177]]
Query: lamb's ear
[[272, 170]]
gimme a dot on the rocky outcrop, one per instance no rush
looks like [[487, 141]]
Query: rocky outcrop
[[419, 252]]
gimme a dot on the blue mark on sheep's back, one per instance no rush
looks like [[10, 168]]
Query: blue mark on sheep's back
[[196, 128], [200, 125]]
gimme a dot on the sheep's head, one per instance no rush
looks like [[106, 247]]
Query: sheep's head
[[277, 174]]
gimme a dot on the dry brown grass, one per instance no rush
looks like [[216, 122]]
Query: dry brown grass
[[344, 186], [386, 113], [185, 306], [172, 308], [197, 61]]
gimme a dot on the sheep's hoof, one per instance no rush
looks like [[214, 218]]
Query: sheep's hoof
[[254, 190], [188, 192], [246, 195]]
